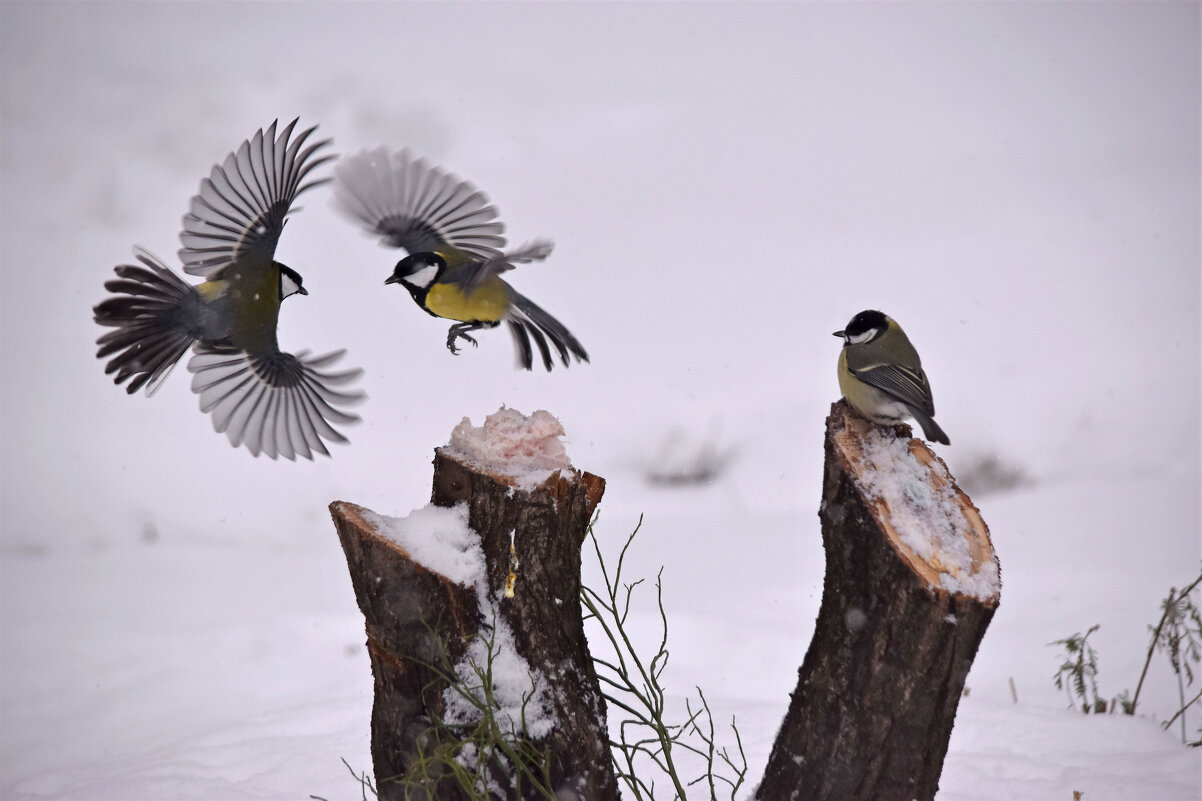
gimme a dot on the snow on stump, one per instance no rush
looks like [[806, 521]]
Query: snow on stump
[[911, 585], [484, 582]]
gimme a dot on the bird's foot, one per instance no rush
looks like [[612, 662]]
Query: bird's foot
[[457, 332]]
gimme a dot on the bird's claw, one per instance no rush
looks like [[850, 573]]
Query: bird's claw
[[455, 334]]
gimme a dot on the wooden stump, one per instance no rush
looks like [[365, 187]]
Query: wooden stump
[[531, 540], [898, 628]]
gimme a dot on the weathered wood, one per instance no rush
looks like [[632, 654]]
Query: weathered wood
[[410, 610], [877, 693], [412, 614]]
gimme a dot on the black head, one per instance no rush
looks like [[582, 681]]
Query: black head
[[864, 327], [418, 271], [290, 282]]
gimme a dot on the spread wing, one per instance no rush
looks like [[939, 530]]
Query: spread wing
[[242, 206], [908, 386], [274, 403], [415, 205]]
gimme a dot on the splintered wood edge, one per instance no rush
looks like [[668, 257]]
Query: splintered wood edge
[[352, 513], [848, 435]]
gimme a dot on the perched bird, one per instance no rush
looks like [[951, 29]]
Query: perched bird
[[453, 243], [881, 376], [270, 401]]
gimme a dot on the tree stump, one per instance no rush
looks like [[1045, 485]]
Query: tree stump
[[531, 536], [911, 585]]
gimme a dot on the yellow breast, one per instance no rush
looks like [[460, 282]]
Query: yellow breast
[[487, 304]]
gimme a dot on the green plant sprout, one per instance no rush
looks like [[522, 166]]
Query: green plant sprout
[[1078, 673], [1177, 635]]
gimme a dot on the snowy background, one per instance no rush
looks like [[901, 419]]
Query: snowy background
[[1017, 184]]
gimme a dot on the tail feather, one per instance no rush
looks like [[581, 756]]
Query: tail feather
[[930, 429], [521, 341], [528, 321], [154, 313], [543, 350]]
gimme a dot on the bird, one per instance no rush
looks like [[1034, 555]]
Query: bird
[[271, 402], [881, 376], [453, 243]]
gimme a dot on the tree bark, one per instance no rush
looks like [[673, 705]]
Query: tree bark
[[412, 614], [877, 693]]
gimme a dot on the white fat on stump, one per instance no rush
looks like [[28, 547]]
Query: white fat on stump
[[527, 449]]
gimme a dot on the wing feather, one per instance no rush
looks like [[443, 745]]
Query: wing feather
[[277, 404], [240, 210], [414, 205], [469, 277], [908, 386]]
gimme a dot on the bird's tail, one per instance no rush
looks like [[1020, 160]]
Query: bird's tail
[[528, 321], [154, 313], [930, 429]]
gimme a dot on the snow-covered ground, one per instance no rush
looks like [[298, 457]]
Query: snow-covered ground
[[1017, 184]]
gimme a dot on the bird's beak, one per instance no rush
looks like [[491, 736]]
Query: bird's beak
[[303, 291], [838, 334], [392, 279]]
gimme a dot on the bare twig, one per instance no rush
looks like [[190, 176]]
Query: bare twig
[[632, 685], [1181, 711]]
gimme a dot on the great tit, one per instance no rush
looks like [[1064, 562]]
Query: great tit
[[271, 402], [881, 376], [453, 242]]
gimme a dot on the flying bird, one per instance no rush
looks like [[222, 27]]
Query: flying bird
[[269, 401], [454, 250]]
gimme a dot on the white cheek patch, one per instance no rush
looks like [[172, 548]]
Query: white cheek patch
[[423, 277], [288, 287], [857, 339]]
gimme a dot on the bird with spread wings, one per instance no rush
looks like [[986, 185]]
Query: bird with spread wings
[[269, 401]]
